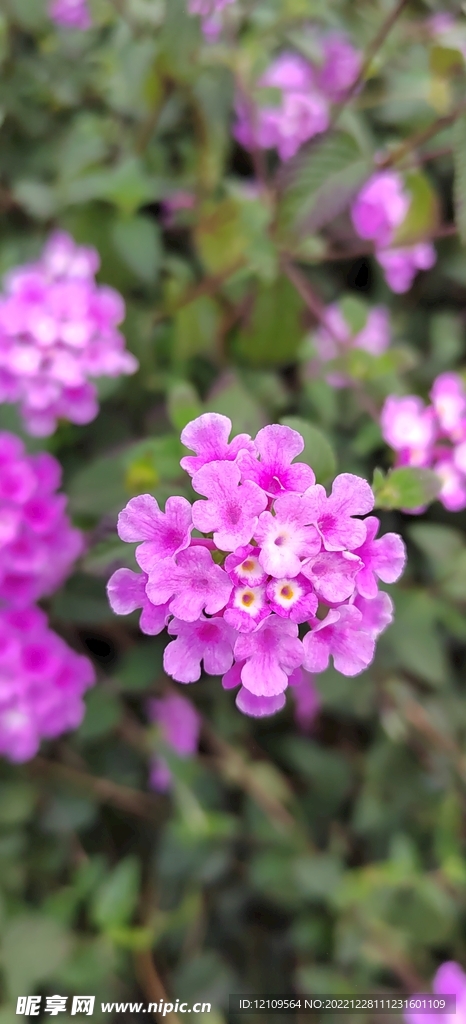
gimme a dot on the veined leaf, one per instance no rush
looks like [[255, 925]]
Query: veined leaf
[[459, 156], [322, 181]]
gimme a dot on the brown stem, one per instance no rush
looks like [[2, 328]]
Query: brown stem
[[372, 49], [315, 305], [419, 138], [152, 986], [104, 790]]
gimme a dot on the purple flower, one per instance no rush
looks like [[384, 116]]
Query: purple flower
[[449, 401], [333, 338], [292, 599], [244, 568], [190, 583], [286, 537], [208, 640], [380, 207], [289, 72], [377, 613], [384, 559], [292, 550], [306, 697], [42, 682], [164, 534], [301, 116], [270, 655], [332, 574], [341, 67], [274, 473], [208, 437], [127, 591], [205, 8], [38, 545], [180, 725], [58, 330], [259, 706], [246, 608], [401, 265], [409, 428], [340, 635], [70, 13], [232, 509], [302, 112], [453, 490], [450, 979], [333, 516]]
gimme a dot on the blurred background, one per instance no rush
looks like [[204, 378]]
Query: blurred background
[[321, 849]]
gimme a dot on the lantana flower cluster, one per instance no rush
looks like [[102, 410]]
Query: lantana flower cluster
[[38, 544], [306, 93], [432, 436], [377, 212], [334, 337], [42, 682], [70, 13], [58, 330], [277, 557]]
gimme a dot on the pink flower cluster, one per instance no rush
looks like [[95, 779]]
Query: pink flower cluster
[[334, 337], [306, 93], [58, 328], [450, 979], [70, 13], [42, 682], [180, 725], [38, 545], [210, 12], [377, 212], [434, 436], [277, 554]]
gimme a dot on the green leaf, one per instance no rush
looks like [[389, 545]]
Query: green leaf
[[139, 667], [318, 452], [183, 404], [322, 180], [422, 216], [105, 484], [137, 241], [407, 487], [445, 61], [414, 636], [196, 326], [459, 188], [17, 801], [116, 899], [37, 198], [34, 947], [274, 332], [231, 398], [442, 545], [103, 712]]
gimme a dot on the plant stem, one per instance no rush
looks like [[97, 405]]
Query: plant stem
[[104, 790], [372, 49], [152, 986]]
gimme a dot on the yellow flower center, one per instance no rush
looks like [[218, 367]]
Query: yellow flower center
[[247, 599], [287, 592], [248, 565]]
